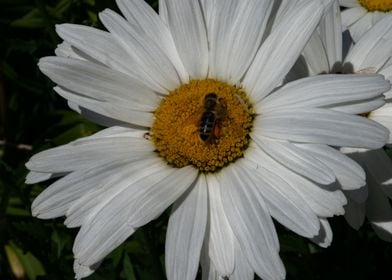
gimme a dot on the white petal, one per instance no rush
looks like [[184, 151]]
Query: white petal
[[185, 232], [384, 229], [296, 159], [354, 212], [379, 212], [323, 201], [66, 50], [98, 82], [349, 3], [284, 204], [100, 46], [324, 238], [148, 203], [321, 126], [220, 237], [383, 116], [378, 15], [374, 48], [110, 110], [152, 61], [98, 191], [358, 28], [361, 107], [280, 10], [331, 34], [316, 56], [106, 189], [243, 270], [186, 23], [59, 197], [131, 207], [220, 17], [162, 11], [387, 72], [349, 174], [281, 49], [251, 222], [379, 165], [107, 242], [90, 152], [96, 117], [350, 16], [140, 13], [114, 131], [358, 195], [209, 271], [301, 69], [36, 177], [325, 91], [235, 32], [82, 271]]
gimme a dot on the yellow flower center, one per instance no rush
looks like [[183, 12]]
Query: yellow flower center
[[376, 5], [205, 123]]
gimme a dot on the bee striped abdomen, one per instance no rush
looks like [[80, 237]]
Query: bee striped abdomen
[[210, 120], [207, 123]]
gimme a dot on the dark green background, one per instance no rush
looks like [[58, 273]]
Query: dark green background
[[33, 118]]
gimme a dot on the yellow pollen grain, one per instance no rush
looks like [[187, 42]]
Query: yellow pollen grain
[[175, 131], [376, 5]]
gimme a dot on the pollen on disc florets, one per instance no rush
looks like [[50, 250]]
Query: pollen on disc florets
[[377, 5], [175, 130]]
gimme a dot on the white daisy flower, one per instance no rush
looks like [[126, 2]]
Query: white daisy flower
[[202, 123], [362, 15], [371, 54], [372, 201]]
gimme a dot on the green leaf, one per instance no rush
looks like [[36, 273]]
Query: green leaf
[[90, 2], [68, 118], [32, 19], [290, 243], [77, 131], [31, 265], [16, 208], [60, 8], [14, 262], [93, 17], [133, 246], [128, 271], [14, 211], [60, 242], [116, 255]]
